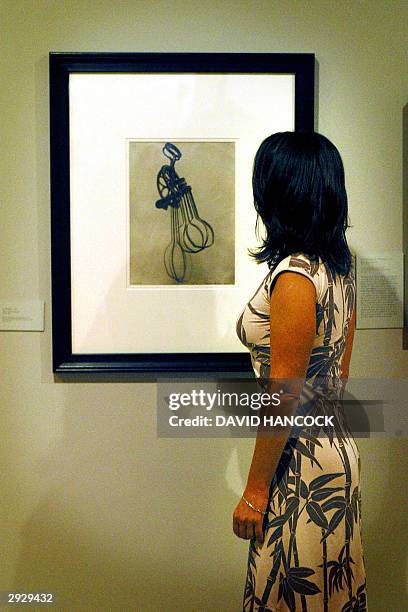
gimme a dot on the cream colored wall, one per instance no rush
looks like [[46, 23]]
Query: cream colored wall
[[93, 506]]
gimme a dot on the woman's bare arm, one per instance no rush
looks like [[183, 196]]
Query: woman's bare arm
[[292, 333]]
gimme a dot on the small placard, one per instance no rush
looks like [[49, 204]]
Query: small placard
[[380, 288], [21, 315]]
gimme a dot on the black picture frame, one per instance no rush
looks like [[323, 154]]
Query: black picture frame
[[61, 66]]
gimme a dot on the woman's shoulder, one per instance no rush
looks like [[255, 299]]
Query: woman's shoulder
[[309, 266], [315, 265], [300, 262], [310, 263]]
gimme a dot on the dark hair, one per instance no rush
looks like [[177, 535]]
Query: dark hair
[[300, 195]]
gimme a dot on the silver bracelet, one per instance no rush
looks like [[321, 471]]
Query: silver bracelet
[[253, 507]]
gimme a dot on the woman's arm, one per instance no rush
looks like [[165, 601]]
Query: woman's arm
[[292, 333]]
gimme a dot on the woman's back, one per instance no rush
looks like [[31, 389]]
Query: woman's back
[[335, 301]]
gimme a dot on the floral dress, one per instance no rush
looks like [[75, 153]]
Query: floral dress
[[311, 558]]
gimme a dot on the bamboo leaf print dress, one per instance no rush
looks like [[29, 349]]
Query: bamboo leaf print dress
[[311, 558]]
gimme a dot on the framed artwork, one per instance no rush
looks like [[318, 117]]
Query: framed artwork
[[152, 213]]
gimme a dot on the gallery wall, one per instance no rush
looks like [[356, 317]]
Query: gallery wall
[[94, 507]]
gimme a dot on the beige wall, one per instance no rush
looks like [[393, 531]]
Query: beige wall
[[93, 506]]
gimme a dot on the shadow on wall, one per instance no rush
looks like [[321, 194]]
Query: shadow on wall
[[385, 534], [405, 219]]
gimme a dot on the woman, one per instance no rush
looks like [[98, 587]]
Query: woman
[[301, 508]]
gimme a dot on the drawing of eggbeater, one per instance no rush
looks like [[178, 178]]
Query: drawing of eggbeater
[[189, 233]]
